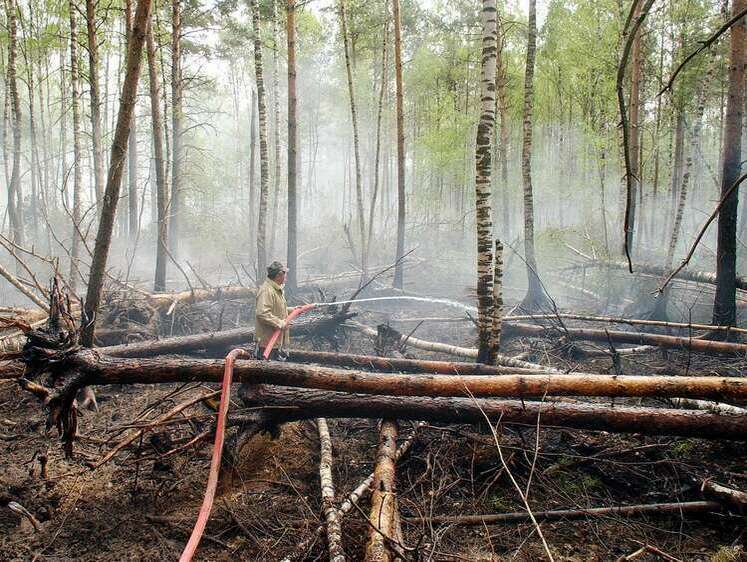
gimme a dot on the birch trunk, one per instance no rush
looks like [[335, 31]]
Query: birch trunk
[[276, 123], [93, 83], [77, 178], [535, 295], [483, 170], [15, 210], [264, 165]]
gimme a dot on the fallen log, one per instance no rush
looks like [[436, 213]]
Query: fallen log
[[167, 300], [331, 514], [651, 269], [352, 500], [636, 338], [733, 498], [630, 321], [307, 403], [714, 407], [458, 351], [218, 342], [384, 518], [658, 509], [96, 369], [399, 365]]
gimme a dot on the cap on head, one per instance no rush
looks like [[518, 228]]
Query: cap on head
[[274, 268]]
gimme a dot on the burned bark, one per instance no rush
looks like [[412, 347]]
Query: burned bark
[[98, 369], [307, 403]]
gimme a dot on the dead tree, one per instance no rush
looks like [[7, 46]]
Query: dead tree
[[724, 303], [116, 164]]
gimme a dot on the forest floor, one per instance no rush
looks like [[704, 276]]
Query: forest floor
[[139, 507]]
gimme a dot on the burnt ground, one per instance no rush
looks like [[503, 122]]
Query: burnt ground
[[141, 506]]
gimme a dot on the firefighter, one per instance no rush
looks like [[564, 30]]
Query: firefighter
[[271, 312]]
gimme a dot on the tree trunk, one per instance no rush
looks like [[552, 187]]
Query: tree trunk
[[694, 147], [15, 198], [399, 270], [483, 169], [596, 417], [634, 143], [535, 294], [93, 83], [77, 178], [377, 149], [652, 269], [292, 257], [674, 509], [252, 164], [356, 142], [724, 303], [501, 151], [116, 164], [159, 283], [679, 149], [264, 164], [177, 151], [132, 213], [384, 514], [497, 320], [329, 509], [98, 369], [276, 122]]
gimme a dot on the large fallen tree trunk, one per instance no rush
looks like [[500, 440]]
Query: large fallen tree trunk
[[96, 369], [307, 403], [651, 269], [637, 338]]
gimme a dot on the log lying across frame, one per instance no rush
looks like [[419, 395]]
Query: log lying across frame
[[297, 403], [213, 341], [637, 338], [616, 336], [651, 269], [675, 509], [97, 369]]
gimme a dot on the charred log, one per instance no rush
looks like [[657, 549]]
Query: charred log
[[309, 403]]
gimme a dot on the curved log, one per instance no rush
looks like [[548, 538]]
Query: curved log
[[308, 403]]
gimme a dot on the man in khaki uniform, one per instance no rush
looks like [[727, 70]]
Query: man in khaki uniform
[[271, 311]]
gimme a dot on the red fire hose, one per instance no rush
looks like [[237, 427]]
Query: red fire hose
[[212, 484], [293, 313]]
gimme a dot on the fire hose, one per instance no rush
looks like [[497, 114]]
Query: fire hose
[[212, 484], [225, 398]]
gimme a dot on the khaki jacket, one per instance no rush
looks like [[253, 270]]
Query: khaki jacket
[[270, 313]]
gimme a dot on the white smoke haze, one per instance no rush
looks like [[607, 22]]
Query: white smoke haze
[[217, 237]]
